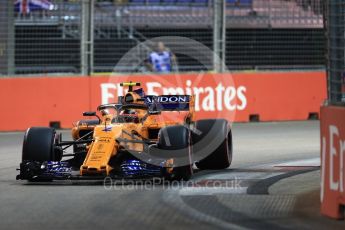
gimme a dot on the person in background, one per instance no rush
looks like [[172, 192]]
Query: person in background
[[161, 60]]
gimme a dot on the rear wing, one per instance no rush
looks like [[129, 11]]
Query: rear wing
[[170, 102]]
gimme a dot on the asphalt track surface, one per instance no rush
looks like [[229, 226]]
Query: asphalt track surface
[[258, 148]]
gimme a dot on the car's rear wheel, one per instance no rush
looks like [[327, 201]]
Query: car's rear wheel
[[215, 136], [174, 143], [39, 145]]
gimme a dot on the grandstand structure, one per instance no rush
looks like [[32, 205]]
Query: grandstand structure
[[260, 34]]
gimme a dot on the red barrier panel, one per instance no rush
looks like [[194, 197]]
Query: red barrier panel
[[272, 96], [29, 102], [332, 161]]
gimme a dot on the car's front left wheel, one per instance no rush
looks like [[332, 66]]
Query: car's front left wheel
[[39, 145]]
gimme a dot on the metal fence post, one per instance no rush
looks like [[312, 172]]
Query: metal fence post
[[336, 40], [10, 40], [86, 40], [91, 36], [219, 35], [6, 38], [84, 37]]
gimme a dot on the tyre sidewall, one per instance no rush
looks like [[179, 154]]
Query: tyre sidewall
[[38, 144]]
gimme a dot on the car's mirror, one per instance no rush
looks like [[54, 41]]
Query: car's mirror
[[92, 114], [89, 114]]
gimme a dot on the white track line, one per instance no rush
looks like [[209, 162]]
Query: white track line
[[313, 162]]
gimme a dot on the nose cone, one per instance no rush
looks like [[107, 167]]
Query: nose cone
[[101, 150]]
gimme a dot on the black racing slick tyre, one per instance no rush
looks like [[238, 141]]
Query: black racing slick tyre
[[175, 143], [39, 145], [214, 136]]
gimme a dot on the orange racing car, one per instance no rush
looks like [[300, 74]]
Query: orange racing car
[[140, 136]]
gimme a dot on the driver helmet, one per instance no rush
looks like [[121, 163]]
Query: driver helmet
[[129, 115]]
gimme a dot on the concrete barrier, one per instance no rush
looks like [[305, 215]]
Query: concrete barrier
[[332, 161]]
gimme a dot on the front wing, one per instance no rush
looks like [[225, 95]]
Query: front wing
[[62, 170]]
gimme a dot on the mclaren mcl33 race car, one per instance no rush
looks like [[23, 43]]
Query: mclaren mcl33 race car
[[141, 136]]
